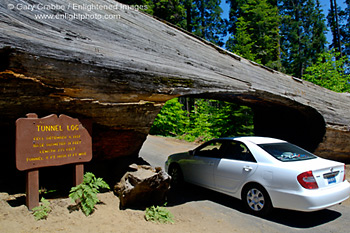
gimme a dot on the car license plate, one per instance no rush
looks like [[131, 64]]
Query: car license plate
[[331, 180]]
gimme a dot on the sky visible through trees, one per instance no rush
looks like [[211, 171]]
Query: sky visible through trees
[[324, 4]]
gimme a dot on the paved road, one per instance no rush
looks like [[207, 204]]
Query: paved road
[[156, 149], [334, 219]]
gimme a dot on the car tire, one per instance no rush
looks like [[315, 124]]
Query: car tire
[[176, 174], [256, 200]]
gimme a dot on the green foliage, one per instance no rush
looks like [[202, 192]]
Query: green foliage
[[201, 119], [345, 31], [170, 10], [200, 17], [42, 211], [208, 119], [329, 72], [86, 193], [256, 32], [242, 43], [171, 121], [284, 35], [212, 119], [302, 34], [206, 21], [158, 214], [46, 192], [339, 25]]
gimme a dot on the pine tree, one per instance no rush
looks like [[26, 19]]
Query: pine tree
[[302, 34], [200, 17], [344, 18], [205, 20], [171, 11], [255, 31], [345, 28], [333, 23], [190, 13], [318, 38]]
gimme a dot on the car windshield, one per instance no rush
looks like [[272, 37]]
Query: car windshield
[[286, 152]]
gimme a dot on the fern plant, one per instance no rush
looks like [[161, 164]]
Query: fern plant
[[158, 214], [85, 194], [42, 211]]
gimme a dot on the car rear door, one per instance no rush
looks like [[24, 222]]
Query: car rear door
[[235, 166]]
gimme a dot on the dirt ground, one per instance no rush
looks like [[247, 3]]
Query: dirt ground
[[15, 217], [188, 216], [106, 218]]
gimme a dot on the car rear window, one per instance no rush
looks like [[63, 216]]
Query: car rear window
[[286, 152]]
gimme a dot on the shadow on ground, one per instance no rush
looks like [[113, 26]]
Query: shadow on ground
[[295, 219]]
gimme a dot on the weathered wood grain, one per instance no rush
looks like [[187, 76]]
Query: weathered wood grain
[[118, 73]]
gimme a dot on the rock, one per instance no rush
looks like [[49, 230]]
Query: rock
[[143, 187]]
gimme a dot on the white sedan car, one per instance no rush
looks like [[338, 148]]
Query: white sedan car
[[263, 173]]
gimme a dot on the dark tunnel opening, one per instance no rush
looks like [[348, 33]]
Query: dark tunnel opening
[[304, 128]]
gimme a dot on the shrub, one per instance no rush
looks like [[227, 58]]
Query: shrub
[[158, 214], [42, 211], [85, 194]]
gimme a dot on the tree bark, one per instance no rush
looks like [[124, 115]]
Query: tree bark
[[119, 72]]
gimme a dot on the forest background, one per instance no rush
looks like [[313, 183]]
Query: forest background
[[284, 35]]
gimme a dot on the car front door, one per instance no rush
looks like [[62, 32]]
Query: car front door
[[201, 167], [235, 166]]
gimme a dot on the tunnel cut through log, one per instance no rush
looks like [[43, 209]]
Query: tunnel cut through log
[[118, 73]]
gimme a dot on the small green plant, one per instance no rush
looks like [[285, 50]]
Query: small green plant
[[85, 194], [42, 211], [44, 191], [159, 214]]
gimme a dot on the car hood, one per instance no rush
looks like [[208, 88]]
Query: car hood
[[178, 156]]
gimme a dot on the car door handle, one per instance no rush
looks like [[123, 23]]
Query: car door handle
[[247, 168], [211, 164]]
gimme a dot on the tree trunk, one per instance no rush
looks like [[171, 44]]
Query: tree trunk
[[117, 73]]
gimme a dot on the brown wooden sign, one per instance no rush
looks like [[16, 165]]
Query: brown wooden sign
[[51, 141]]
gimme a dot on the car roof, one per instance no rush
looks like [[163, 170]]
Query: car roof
[[254, 139]]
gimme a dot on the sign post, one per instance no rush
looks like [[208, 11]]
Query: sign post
[[50, 141], [78, 174], [32, 188]]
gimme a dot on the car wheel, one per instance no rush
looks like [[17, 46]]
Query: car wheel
[[177, 178], [256, 200]]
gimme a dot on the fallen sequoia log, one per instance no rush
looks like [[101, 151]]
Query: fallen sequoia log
[[117, 70], [143, 187]]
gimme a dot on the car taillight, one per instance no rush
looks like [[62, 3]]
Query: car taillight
[[307, 180], [344, 178]]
